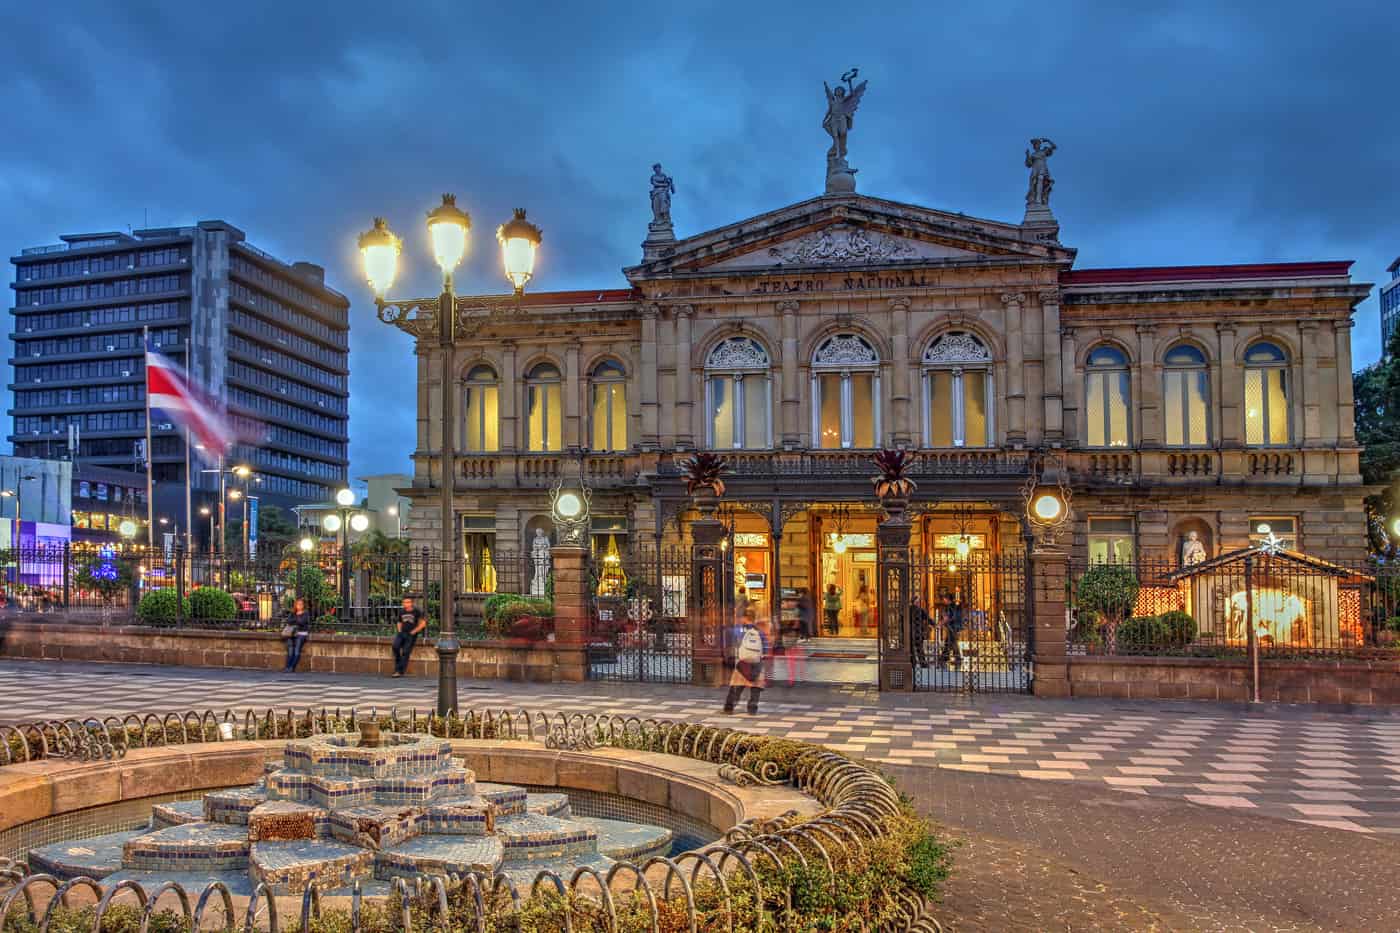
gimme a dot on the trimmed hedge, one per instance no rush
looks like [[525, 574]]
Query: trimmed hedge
[[161, 607], [209, 602]]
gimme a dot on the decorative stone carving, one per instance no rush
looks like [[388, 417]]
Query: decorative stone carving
[[840, 116], [843, 245], [737, 353], [788, 306], [539, 556], [662, 187], [1038, 191], [957, 347], [1013, 298], [845, 350], [1192, 550]]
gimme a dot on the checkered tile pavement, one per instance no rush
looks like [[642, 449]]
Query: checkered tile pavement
[[1341, 771]]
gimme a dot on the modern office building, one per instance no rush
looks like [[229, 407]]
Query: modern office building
[[1390, 304], [267, 337]]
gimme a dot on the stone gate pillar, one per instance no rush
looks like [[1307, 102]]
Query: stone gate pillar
[[705, 615], [570, 612], [1049, 569], [892, 541]]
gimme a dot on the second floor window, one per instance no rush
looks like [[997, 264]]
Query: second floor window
[[1187, 384], [609, 415], [544, 423], [845, 393], [1266, 420], [738, 396], [957, 392], [1107, 398], [480, 411]]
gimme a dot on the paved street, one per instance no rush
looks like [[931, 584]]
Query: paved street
[[1336, 770]]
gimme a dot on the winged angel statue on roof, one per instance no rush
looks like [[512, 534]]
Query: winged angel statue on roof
[[841, 107]]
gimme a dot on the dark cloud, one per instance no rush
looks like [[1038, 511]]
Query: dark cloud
[[1189, 132]]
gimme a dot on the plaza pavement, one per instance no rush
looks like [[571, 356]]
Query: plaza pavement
[[1339, 770]]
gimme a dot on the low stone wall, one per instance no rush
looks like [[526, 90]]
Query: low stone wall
[[330, 654], [1356, 682]]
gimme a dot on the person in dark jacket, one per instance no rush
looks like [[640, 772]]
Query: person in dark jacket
[[918, 631], [953, 625], [295, 632]]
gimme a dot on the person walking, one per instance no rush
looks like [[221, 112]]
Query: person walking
[[918, 631], [806, 614], [831, 608], [295, 631], [750, 652], [412, 622], [952, 625]]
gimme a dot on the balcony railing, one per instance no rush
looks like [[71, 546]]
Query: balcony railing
[[541, 471], [847, 463]]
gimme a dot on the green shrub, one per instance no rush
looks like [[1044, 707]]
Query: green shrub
[[1086, 629], [161, 607], [1181, 627], [1144, 632], [209, 602], [494, 603], [1110, 590]]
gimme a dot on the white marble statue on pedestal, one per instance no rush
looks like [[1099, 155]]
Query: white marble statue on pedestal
[[539, 557]]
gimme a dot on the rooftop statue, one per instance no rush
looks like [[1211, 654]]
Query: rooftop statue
[[841, 105]]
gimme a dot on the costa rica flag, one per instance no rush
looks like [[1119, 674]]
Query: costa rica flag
[[169, 389]]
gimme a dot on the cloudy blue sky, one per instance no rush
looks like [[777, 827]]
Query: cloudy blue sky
[[1192, 133]]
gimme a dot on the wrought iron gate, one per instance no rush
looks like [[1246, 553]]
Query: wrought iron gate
[[639, 617], [991, 650]]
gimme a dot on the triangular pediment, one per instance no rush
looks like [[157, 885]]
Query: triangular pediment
[[850, 232]]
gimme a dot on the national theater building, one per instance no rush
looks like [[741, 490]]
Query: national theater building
[[1206, 399]]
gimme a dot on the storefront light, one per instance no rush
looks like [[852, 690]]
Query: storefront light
[[1047, 507], [838, 543], [964, 547]]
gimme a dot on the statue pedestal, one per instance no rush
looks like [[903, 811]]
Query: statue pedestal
[[840, 177], [1039, 216]]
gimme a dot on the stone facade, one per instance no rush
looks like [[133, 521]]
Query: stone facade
[[846, 323]]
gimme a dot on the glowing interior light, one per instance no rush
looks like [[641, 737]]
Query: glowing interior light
[[1047, 507]]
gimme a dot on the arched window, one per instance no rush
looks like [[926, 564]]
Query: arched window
[[480, 411], [1107, 398], [738, 396], [957, 392], [544, 413], [1186, 382], [845, 393], [1266, 421], [609, 407]]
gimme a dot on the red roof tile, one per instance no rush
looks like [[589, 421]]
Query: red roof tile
[[594, 297], [1264, 270]]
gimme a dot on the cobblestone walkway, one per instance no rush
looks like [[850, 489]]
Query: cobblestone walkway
[[1337, 771]]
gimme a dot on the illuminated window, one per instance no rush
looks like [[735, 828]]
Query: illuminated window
[[478, 554], [1187, 391], [1106, 398], [738, 396], [845, 393], [1266, 421], [481, 411], [609, 416], [957, 392], [1110, 540], [545, 414], [1284, 528]]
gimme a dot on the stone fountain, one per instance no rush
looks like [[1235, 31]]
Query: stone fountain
[[346, 810]]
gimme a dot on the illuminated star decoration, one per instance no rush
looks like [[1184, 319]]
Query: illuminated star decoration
[[1271, 545]]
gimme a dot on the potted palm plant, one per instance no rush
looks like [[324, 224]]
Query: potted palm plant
[[893, 485]]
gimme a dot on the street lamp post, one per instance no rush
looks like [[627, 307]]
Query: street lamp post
[[304, 547], [207, 512], [344, 520], [447, 317]]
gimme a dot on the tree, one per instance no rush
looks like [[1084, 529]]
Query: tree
[[103, 573], [275, 532], [1377, 392], [1111, 591]]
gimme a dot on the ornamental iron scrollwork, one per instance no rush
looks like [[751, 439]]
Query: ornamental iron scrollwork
[[957, 347], [845, 350]]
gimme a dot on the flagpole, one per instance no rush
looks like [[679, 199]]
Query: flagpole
[[189, 510], [150, 451]]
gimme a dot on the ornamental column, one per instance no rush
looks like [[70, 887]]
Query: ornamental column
[[1346, 400], [901, 435], [1148, 388], [651, 400], [892, 596], [1069, 384], [573, 391], [1230, 382], [1015, 369], [791, 392], [506, 396], [685, 414], [1311, 384], [705, 614], [1054, 378]]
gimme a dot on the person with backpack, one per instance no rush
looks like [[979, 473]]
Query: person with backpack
[[953, 625], [750, 651]]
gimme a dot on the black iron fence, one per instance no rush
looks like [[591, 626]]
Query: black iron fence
[[971, 631], [1278, 603], [638, 610]]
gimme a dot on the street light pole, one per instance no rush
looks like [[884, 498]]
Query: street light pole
[[426, 317]]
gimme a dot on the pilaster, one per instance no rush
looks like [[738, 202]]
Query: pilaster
[[791, 392], [901, 433], [1054, 376], [1070, 383], [1346, 399], [685, 416], [508, 395], [1311, 384], [1226, 378], [1148, 390], [1015, 369], [650, 397], [573, 394]]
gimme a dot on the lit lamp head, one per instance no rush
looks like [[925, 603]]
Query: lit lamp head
[[838, 543], [379, 252], [1395, 526], [235, 494], [571, 516], [243, 472], [520, 240], [345, 497], [1263, 528], [359, 521], [331, 523], [127, 528], [1047, 508], [205, 510], [963, 547], [447, 228], [306, 544]]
